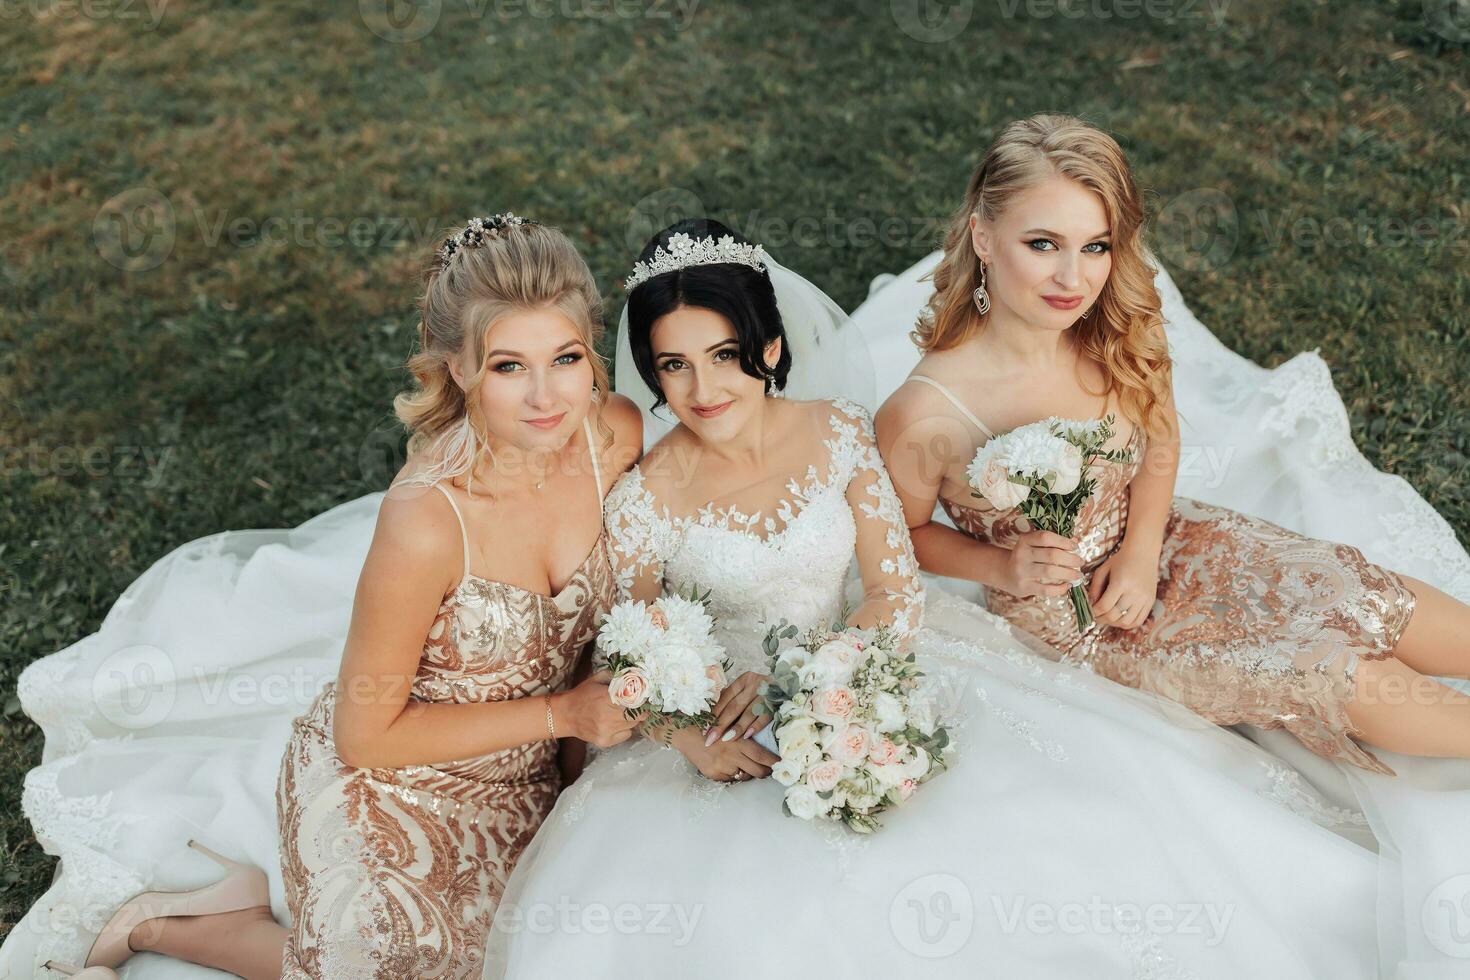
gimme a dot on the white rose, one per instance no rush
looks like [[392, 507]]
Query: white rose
[[803, 802], [889, 776], [845, 646], [889, 712], [990, 475], [797, 735], [786, 772], [823, 671], [921, 714], [808, 756], [915, 768], [795, 657], [1068, 468]]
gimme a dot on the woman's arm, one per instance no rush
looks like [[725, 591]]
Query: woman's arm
[[1125, 586], [414, 560], [919, 444], [1151, 493], [626, 422], [893, 594]]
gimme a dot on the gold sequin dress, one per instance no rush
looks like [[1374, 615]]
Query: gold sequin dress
[[1251, 623], [397, 872]]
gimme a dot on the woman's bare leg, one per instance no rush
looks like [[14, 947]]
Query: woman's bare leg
[[248, 943], [1399, 709], [1437, 639]]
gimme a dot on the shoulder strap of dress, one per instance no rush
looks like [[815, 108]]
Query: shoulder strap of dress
[[464, 535], [592, 451], [956, 402]]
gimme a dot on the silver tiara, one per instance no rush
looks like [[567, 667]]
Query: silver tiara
[[477, 231], [682, 252]]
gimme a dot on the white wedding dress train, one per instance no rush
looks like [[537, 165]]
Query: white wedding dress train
[[170, 721]]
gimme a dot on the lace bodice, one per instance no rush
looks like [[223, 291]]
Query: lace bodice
[[791, 566]]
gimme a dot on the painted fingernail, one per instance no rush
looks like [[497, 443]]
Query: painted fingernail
[[710, 738], [728, 735]]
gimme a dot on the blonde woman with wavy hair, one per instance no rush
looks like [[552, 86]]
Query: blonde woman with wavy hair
[[1044, 305], [413, 782]]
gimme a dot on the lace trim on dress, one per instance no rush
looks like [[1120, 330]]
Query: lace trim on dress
[[643, 534]]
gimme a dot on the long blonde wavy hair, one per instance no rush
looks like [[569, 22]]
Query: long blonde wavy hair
[[523, 267], [1124, 330]]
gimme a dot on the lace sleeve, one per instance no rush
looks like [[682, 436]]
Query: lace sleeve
[[636, 538], [893, 594]]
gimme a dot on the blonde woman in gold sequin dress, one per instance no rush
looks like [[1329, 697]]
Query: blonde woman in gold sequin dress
[[1251, 563], [414, 780], [1044, 305]]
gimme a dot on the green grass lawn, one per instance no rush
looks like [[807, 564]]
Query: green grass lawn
[[213, 214]]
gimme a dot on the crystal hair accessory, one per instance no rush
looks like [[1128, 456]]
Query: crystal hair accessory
[[479, 230], [683, 252]]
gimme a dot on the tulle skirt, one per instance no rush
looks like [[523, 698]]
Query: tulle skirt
[[1083, 829]]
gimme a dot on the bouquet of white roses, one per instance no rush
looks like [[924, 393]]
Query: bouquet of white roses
[[664, 661], [1042, 468], [855, 728]]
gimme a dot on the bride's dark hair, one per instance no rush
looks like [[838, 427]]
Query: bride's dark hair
[[739, 293]]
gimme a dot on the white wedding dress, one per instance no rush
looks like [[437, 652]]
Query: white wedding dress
[[1068, 796]]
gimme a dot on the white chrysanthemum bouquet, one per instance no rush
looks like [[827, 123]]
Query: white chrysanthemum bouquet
[[1042, 468], [856, 729], [664, 661]]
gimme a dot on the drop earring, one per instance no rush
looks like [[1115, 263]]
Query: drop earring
[[981, 297]]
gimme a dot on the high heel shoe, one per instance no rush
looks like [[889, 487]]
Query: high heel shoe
[[90, 973], [243, 886]]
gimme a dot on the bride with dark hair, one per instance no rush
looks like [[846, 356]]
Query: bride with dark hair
[[1081, 829]]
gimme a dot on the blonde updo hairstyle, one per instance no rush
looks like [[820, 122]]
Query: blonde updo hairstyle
[[1124, 330], [514, 268]]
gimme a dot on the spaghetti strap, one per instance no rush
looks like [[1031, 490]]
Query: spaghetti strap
[[464, 535], [592, 451], [956, 402]]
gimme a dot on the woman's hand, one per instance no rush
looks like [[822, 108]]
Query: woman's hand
[[734, 711], [728, 762], [1042, 563], [1124, 587], [587, 712]]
